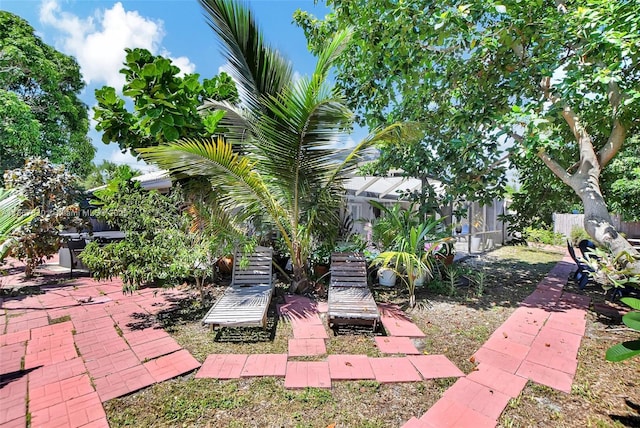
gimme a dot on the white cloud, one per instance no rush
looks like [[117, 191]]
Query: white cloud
[[98, 41], [127, 158]]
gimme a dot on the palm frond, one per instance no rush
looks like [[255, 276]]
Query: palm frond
[[257, 68], [240, 186], [11, 218]]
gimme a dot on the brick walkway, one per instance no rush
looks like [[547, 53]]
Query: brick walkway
[[538, 342], [79, 344], [309, 335]]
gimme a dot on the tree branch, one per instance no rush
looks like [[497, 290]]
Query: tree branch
[[618, 132], [555, 167]]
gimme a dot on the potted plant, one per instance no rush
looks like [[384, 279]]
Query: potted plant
[[411, 255], [411, 260], [320, 258], [445, 251]]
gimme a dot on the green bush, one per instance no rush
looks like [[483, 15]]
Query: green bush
[[578, 234], [543, 236], [167, 239]]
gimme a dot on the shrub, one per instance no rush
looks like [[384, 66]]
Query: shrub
[[578, 234], [164, 243], [50, 190], [543, 236]]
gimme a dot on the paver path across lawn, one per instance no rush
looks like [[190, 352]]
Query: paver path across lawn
[[309, 334], [79, 344], [538, 342], [82, 342]]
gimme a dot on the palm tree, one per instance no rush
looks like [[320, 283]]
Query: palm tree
[[278, 159], [10, 219]]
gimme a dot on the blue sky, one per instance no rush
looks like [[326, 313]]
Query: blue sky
[[97, 31]]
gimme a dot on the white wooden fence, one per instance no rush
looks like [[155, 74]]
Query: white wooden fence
[[563, 223]]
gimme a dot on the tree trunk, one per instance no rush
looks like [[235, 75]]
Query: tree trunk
[[586, 180], [299, 282], [412, 300], [597, 220]]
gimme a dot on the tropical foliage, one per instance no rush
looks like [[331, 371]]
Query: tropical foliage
[[631, 348], [49, 190], [12, 217], [278, 162], [557, 82], [407, 244], [165, 105], [41, 113], [164, 244]]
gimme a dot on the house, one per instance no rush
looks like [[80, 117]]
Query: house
[[482, 222]]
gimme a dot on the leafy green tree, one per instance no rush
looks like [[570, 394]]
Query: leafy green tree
[[546, 79], [40, 111], [164, 242], [287, 171], [622, 178], [540, 194], [105, 172], [50, 191], [165, 106]]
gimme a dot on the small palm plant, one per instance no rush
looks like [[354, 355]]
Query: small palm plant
[[11, 218], [278, 160], [412, 254]]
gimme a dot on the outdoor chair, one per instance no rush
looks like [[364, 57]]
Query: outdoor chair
[[246, 301], [581, 275], [75, 246], [350, 300], [586, 246]]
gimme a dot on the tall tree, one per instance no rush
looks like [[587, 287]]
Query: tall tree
[[165, 104], [287, 171], [40, 112], [554, 77]]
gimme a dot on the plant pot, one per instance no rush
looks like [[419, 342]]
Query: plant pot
[[421, 280], [446, 260], [476, 243], [387, 277], [225, 265], [320, 270]]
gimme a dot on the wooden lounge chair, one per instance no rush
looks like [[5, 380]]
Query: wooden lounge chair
[[246, 301], [350, 300]]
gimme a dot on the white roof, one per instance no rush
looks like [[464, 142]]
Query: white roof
[[384, 186], [154, 180]]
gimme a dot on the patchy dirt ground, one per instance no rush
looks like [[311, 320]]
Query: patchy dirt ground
[[457, 317]]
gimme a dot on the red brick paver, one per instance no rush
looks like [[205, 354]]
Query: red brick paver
[[306, 347], [448, 413], [396, 345], [156, 348], [350, 367], [307, 374], [397, 323], [222, 366], [13, 397], [171, 365], [389, 369], [497, 379], [123, 382], [265, 365], [435, 366]]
